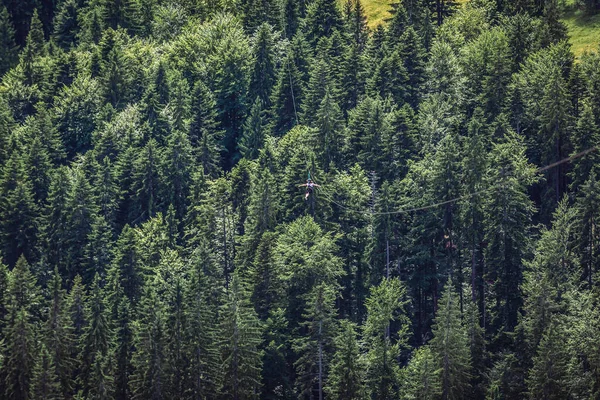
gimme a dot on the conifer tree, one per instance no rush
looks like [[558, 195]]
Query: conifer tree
[[546, 377], [149, 359], [508, 212], [8, 47], [82, 212], [19, 214], [45, 384], [584, 136], [200, 338], [22, 301], [240, 336], [34, 48], [329, 126], [253, 137], [346, 374], [263, 75], [316, 344], [39, 169], [59, 339], [291, 14], [450, 346], [96, 338], [288, 95], [146, 183], [204, 132], [384, 335], [66, 24], [322, 18], [588, 237], [421, 377], [177, 171], [55, 233]]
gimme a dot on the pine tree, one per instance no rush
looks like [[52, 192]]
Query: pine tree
[[126, 264], [44, 383], [59, 337], [288, 96], [82, 212], [96, 338], [8, 47], [588, 238], [204, 132], [200, 337], [546, 378], [346, 374], [315, 347], [149, 359], [19, 214], [66, 24], [421, 379], [450, 346], [34, 48], [507, 217], [253, 137], [22, 301], [240, 336], [384, 335], [322, 18], [264, 71]]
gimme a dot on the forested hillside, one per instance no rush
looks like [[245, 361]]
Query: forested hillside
[[243, 199]]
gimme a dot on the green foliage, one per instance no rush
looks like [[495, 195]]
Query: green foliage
[[450, 346]]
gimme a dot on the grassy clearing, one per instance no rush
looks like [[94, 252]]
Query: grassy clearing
[[584, 31]]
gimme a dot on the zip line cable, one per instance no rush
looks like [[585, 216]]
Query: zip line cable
[[466, 196]]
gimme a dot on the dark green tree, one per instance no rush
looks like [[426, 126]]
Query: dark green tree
[[264, 71], [346, 372], [45, 384], [66, 24], [240, 336], [8, 47], [204, 132], [384, 334], [450, 346]]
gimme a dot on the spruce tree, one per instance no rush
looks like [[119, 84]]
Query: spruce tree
[[507, 212], [59, 338], [149, 359], [204, 132], [322, 18], [66, 24], [264, 72], [8, 47], [45, 383], [450, 346], [240, 336], [384, 335], [346, 372], [546, 378], [200, 338], [421, 376], [315, 347], [96, 338], [253, 138], [22, 300]]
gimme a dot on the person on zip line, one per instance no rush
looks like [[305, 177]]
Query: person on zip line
[[310, 185]]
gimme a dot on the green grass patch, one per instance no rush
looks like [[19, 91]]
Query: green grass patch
[[584, 31]]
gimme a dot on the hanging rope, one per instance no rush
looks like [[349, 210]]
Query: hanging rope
[[459, 198]]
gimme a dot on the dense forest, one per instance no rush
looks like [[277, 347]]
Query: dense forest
[[157, 242]]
